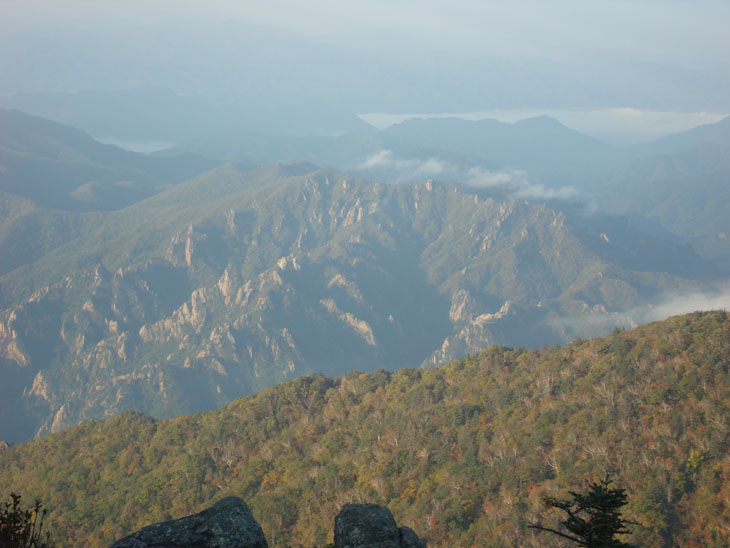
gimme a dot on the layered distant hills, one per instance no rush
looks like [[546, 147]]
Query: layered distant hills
[[183, 295], [463, 454], [60, 167], [158, 115], [680, 182]]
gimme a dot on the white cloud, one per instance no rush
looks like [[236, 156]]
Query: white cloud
[[683, 304], [483, 178], [382, 158], [433, 166], [406, 167], [541, 192], [517, 183], [599, 321]]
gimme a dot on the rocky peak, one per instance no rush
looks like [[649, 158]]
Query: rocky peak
[[229, 523], [372, 526]]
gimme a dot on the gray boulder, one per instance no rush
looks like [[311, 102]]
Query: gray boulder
[[229, 523], [409, 539], [371, 526]]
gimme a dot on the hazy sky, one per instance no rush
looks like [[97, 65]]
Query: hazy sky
[[382, 55], [676, 32]]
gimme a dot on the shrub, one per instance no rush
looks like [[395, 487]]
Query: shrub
[[23, 528]]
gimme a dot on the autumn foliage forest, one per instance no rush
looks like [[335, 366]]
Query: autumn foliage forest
[[464, 454]]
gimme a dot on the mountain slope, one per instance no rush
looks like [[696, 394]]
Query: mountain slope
[[685, 192], [61, 167], [708, 134], [462, 454], [550, 152], [542, 146], [234, 281], [28, 232], [679, 182]]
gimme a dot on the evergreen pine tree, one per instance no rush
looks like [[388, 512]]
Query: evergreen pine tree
[[594, 518]]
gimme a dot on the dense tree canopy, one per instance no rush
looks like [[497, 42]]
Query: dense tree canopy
[[463, 454]]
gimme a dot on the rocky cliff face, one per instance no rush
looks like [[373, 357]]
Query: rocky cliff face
[[230, 524], [237, 281]]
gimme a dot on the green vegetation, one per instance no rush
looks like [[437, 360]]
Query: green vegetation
[[23, 528], [463, 454], [232, 282], [593, 518], [684, 192]]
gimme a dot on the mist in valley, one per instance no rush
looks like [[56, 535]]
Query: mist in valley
[[208, 201]]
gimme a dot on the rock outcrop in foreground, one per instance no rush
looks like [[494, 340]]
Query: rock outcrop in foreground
[[229, 523], [372, 526]]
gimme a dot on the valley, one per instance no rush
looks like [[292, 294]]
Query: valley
[[461, 453], [236, 280], [258, 287]]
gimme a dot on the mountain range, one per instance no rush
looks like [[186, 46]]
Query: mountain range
[[267, 263], [463, 454], [679, 182], [184, 295], [60, 167]]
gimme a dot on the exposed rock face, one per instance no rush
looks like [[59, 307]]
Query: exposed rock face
[[372, 526], [280, 277], [409, 539], [229, 523]]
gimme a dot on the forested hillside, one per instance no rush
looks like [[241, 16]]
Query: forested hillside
[[463, 454], [234, 281]]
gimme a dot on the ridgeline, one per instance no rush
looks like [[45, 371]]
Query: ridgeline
[[463, 454]]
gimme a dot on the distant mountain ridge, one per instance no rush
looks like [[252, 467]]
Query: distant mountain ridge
[[536, 158], [542, 146], [684, 191], [465, 452], [61, 167], [158, 114], [716, 133], [233, 281]]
